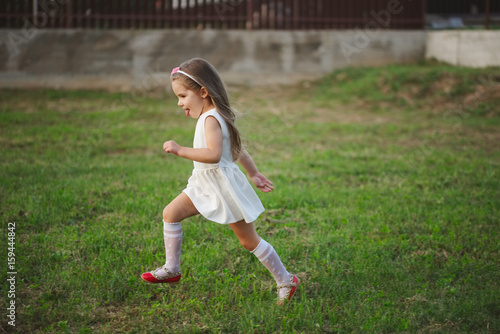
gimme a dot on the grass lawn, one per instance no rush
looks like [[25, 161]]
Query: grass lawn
[[386, 205]]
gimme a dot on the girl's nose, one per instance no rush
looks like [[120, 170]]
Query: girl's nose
[[179, 103]]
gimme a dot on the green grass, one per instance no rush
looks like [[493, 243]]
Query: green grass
[[386, 205]]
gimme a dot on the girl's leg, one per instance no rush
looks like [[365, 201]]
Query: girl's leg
[[266, 254], [246, 233], [179, 209]]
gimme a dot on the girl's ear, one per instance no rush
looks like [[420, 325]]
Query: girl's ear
[[204, 92]]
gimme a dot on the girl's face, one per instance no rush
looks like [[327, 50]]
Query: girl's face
[[194, 103]]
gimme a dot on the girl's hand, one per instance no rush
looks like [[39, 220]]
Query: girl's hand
[[171, 147], [262, 183]]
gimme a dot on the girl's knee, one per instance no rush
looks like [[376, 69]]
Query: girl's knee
[[168, 215], [179, 209], [249, 243]]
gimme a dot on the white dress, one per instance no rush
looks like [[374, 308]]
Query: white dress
[[221, 192]]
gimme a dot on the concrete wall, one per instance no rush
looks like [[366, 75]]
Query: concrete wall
[[124, 60], [464, 48]]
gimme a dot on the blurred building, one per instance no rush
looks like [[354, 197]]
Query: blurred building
[[461, 14]]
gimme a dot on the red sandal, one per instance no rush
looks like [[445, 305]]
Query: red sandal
[[170, 278], [294, 283]]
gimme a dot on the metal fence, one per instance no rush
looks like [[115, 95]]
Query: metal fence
[[212, 14]]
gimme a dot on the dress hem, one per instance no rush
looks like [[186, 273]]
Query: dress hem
[[204, 216]]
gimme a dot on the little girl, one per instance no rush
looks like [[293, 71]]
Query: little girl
[[217, 189]]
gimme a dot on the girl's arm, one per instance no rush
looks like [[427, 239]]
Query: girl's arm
[[260, 181], [209, 155]]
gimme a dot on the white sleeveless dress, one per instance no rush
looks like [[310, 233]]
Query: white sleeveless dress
[[221, 192]]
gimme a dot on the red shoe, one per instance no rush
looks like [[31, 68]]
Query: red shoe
[[294, 283], [170, 278]]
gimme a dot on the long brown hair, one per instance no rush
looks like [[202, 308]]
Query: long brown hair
[[206, 76]]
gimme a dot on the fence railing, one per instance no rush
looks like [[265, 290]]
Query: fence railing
[[213, 14]]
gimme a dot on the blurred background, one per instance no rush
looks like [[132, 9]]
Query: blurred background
[[119, 44], [245, 14]]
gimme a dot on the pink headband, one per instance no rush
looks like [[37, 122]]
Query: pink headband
[[176, 70]]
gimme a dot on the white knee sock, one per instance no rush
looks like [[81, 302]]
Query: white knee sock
[[270, 259], [172, 235]]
